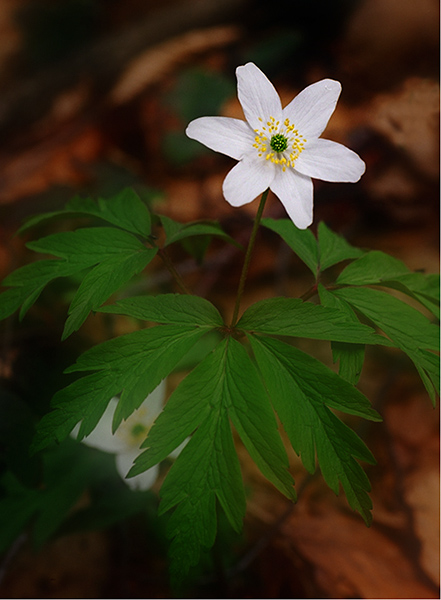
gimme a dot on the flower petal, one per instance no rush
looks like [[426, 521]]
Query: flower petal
[[232, 137], [257, 96], [247, 180], [311, 110], [295, 191], [101, 437], [330, 161], [143, 481], [154, 402]]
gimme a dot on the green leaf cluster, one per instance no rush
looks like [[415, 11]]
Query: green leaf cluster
[[249, 381], [104, 257], [234, 385], [67, 470], [404, 325]]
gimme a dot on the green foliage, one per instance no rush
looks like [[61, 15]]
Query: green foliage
[[68, 470], [178, 232], [378, 268], [318, 254], [169, 308], [350, 355], [409, 329], [302, 390], [132, 365], [125, 211], [225, 386], [237, 379], [291, 316]]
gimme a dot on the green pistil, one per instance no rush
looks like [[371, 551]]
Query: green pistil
[[279, 143], [138, 429]]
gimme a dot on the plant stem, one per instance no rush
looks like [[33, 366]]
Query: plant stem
[[172, 270], [247, 260]]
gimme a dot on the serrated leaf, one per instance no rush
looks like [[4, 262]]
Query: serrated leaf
[[251, 414], [302, 390], [12, 299], [29, 281], [428, 367], [177, 232], [168, 308], [133, 364], [206, 469], [405, 325], [115, 255], [224, 386], [427, 285], [293, 317], [38, 274], [103, 281], [378, 268], [372, 268], [333, 248], [424, 288], [351, 356], [125, 210], [302, 241], [88, 246], [188, 406]]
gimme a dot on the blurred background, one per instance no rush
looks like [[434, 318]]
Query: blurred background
[[95, 96]]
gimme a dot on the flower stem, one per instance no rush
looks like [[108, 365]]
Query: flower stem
[[247, 260]]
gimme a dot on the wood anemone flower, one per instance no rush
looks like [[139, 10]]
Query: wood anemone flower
[[126, 441], [279, 148]]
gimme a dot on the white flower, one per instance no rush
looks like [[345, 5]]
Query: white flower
[[126, 440], [279, 148]]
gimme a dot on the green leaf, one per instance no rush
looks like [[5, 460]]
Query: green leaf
[[168, 308], [351, 356], [29, 281], [88, 246], [292, 316], [302, 391], [206, 469], [424, 288], [225, 386], [133, 365], [422, 285], [372, 268], [428, 367], [12, 299], [66, 474], [302, 241], [125, 210], [177, 232], [378, 268], [333, 248], [188, 406], [405, 325], [251, 414], [115, 255], [103, 281]]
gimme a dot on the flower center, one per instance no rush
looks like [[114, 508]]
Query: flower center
[[138, 430], [280, 143]]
